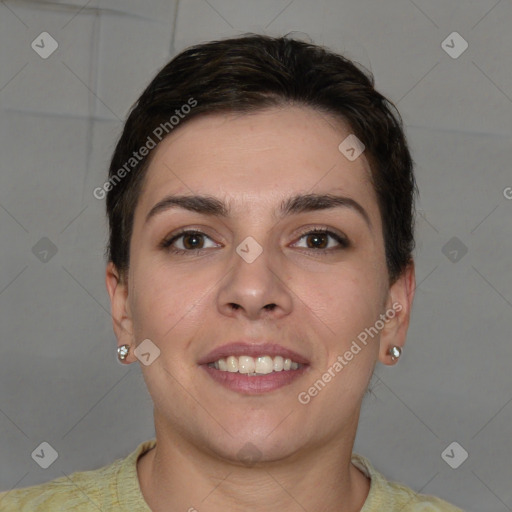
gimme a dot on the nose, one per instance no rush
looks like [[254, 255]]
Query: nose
[[255, 290]]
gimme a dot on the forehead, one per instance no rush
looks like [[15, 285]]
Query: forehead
[[254, 159]]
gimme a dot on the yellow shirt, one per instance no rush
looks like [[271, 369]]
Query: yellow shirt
[[116, 488]]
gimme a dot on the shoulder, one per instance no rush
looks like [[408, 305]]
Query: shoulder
[[112, 487], [80, 491], [387, 495], [410, 501]]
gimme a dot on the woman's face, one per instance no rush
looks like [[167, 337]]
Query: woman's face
[[255, 276]]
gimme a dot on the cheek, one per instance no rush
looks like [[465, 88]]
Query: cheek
[[166, 301], [349, 304], [347, 299]]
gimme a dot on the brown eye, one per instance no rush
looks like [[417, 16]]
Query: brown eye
[[318, 239], [191, 240]]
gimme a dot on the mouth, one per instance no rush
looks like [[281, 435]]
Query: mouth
[[254, 368]]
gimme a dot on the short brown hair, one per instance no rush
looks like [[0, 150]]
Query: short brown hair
[[253, 72]]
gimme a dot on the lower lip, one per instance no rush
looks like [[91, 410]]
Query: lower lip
[[255, 385]]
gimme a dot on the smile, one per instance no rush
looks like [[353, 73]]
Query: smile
[[254, 366]]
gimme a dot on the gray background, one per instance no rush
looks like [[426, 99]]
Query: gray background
[[60, 117]]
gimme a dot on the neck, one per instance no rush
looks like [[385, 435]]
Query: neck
[[175, 475]]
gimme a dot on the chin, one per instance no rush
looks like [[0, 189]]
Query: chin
[[265, 442], [249, 452]]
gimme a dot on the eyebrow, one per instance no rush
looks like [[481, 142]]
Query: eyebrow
[[300, 203]]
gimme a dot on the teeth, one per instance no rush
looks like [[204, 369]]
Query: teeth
[[251, 366], [264, 365], [232, 364], [246, 364], [278, 363]]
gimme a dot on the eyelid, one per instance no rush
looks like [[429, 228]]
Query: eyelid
[[340, 237], [167, 242]]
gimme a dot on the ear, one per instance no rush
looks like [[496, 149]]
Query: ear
[[400, 299], [121, 316]]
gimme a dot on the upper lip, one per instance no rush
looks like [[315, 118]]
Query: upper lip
[[254, 349]]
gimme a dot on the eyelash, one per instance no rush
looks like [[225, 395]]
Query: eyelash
[[167, 243]]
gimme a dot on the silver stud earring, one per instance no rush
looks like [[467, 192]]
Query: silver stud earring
[[122, 352], [395, 352]]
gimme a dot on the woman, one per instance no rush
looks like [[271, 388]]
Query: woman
[[261, 209]]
